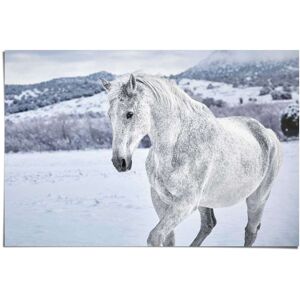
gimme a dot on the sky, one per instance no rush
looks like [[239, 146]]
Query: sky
[[24, 67]]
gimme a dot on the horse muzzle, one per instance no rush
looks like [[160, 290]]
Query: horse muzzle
[[122, 164]]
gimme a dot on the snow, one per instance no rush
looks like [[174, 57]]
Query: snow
[[78, 199], [95, 103], [227, 92], [25, 94]]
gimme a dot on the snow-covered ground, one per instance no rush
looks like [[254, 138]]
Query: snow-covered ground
[[79, 199], [228, 93]]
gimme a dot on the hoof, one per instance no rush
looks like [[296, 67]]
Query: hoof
[[155, 239], [170, 240], [250, 237]]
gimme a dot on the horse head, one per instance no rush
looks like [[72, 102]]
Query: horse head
[[129, 114]]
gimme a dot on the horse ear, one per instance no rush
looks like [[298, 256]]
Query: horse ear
[[105, 84], [131, 84]]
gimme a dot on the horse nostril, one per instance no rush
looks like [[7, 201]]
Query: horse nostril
[[123, 163]]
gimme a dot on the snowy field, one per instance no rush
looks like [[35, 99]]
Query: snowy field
[[228, 93], [79, 199]]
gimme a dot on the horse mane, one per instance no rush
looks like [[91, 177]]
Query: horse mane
[[169, 94]]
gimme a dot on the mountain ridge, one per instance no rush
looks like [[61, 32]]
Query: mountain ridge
[[226, 66]]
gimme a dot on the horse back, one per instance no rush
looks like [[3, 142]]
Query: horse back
[[265, 138]]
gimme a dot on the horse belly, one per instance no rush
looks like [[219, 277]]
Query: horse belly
[[234, 178], [227, 193]]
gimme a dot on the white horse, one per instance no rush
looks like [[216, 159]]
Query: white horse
[[196, 161]]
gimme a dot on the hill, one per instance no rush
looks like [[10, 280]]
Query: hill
[[21, 98]]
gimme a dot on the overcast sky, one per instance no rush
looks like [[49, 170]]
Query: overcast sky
[[23, 67]]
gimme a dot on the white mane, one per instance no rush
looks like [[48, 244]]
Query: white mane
[[168, 93]]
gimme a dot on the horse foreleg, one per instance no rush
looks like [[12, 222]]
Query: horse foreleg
[[160, 208], [208, 222], [173, 216]]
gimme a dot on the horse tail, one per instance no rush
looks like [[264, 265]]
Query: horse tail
[[278, 153]]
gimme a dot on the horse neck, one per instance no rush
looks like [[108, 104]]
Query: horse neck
[[167, 122]]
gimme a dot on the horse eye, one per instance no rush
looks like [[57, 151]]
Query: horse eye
[[129, 115]]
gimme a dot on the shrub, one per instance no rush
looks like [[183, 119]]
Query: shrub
[[287, 88], [290, 120], [62, 132], [281, 95], [264, 91], [209, 102]]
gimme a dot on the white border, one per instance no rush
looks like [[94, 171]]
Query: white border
[[141, 273]]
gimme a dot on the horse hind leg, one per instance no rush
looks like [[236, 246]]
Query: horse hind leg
[[257, 201], [208, 222], [255, 212]]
